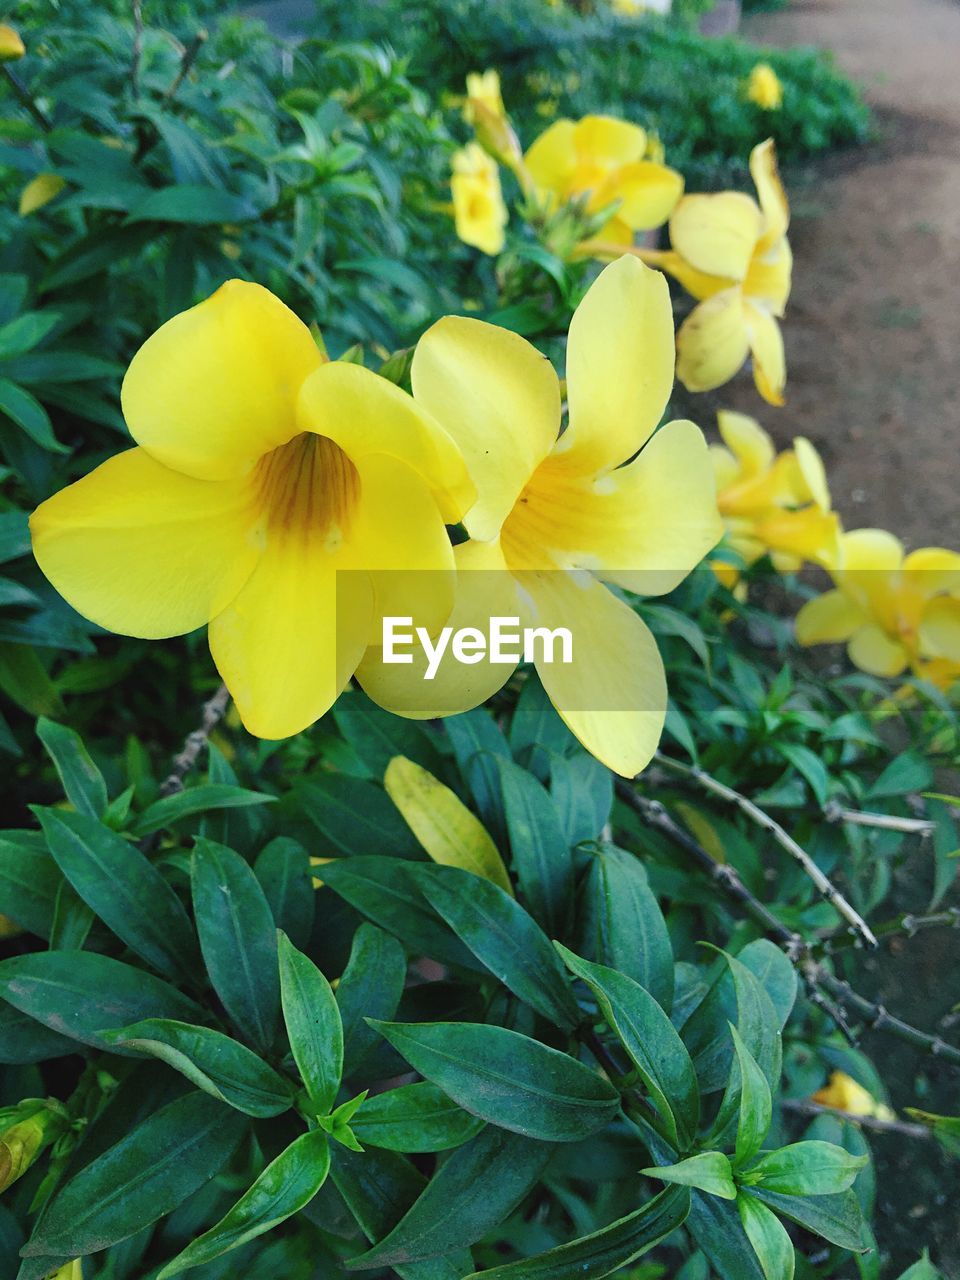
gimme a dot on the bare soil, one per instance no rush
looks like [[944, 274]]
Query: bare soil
[[873, 326]]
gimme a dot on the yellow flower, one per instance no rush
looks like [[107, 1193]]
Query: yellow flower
[[478, 209], [764, 87], [895, 611], [845, 1094], [600, 160], [261, 471], [631, 8], [556, 518], [483, 90], [11, 46], [484, 109], [733, 254], [40, 191], [776, 504]]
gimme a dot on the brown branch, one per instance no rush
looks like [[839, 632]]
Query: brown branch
[[824, 989], [187, 59], [906, 925], [806, 1107], [834, 812], [183, 762], [786, 842]]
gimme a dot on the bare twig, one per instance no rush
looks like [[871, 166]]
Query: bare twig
[[828, 992], [25, 98], [834, 812], [905, 925], [187, 60], [786, 842], [806, 1107], [194, 742]]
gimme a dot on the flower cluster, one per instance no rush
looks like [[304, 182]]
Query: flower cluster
[[290, 503]]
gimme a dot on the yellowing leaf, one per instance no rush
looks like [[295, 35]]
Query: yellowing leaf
[[442, 823], [40, 191]]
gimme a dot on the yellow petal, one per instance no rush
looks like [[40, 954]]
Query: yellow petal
[[479, 212], [613, 695], [747, 441], [810, 534], [769, 277], [844, 1092], [620, 355], [484, 589], [293, 637], [450, 833], [644, 526], [609, 140], [11, 45], [216, 387], [940, 629], [365, 414], [145, 551], [552, 158], [697, 283], [871, 551], [397, 535], [813, 472], [717, 234], [726, 468], [499, 399], [873, 651], [766, 346], [828, 619], [40, 191], [712, 343], [773, 198], [648, 194], [934, 569]]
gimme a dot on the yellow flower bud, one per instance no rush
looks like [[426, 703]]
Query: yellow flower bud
[[40, 191], [764, 87], [30, 1126], [69, 1271], [11, 46], [843, 1092]]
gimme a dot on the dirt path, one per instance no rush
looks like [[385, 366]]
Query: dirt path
[[873, 326]]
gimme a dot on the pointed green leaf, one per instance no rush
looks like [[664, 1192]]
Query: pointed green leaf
[[756, 1106], [371, 986], [82, 781], [805, 1169], [313, 1024], [709, 1172], [414, 1118], [837, 1218]]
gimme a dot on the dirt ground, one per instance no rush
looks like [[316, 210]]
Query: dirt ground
[[873, 326]]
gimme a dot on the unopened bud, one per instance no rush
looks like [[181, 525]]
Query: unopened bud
[[11, 46], [72, 1270], [28, 1128]]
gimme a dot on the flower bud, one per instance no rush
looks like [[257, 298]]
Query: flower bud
[[11, 46], [26, 1130], [72, 1270]]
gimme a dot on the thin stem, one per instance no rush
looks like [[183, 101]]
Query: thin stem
[[824, 989], [137, 51], [781, 837], [187, 60], [183, 762], [834, 812], [905, 925], [805, 1107], [25, 98]]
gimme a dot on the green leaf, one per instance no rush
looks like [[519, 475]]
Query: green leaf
[[582, 792], [285, 1186], [652, 1043], [625, 928], [283, 869], [472, 1192], [29, 880], [922, 1269], [503, 937], [506, 1078], [709, 1172], [377, 736], [125, 890], [735, 995], [215, 1063], [605, 1251], [24, 1040], [805, 1169], [809, 765], [144, 1176], [450, 833], [379, 1187], [371, 986], [169, 810], [30, 415], [414, 1118], [81, 994], [837, 1218], [356, 816], [72, 920], [541, 855], [313, 1024], [906, 772], [477, 742], [773, 970], [25, 332], [82, 781], [769, 1238], [14, 535], [201, 206], [384, 890], [23, 676], [756, 1106], [715, 1226], [237, 938]]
